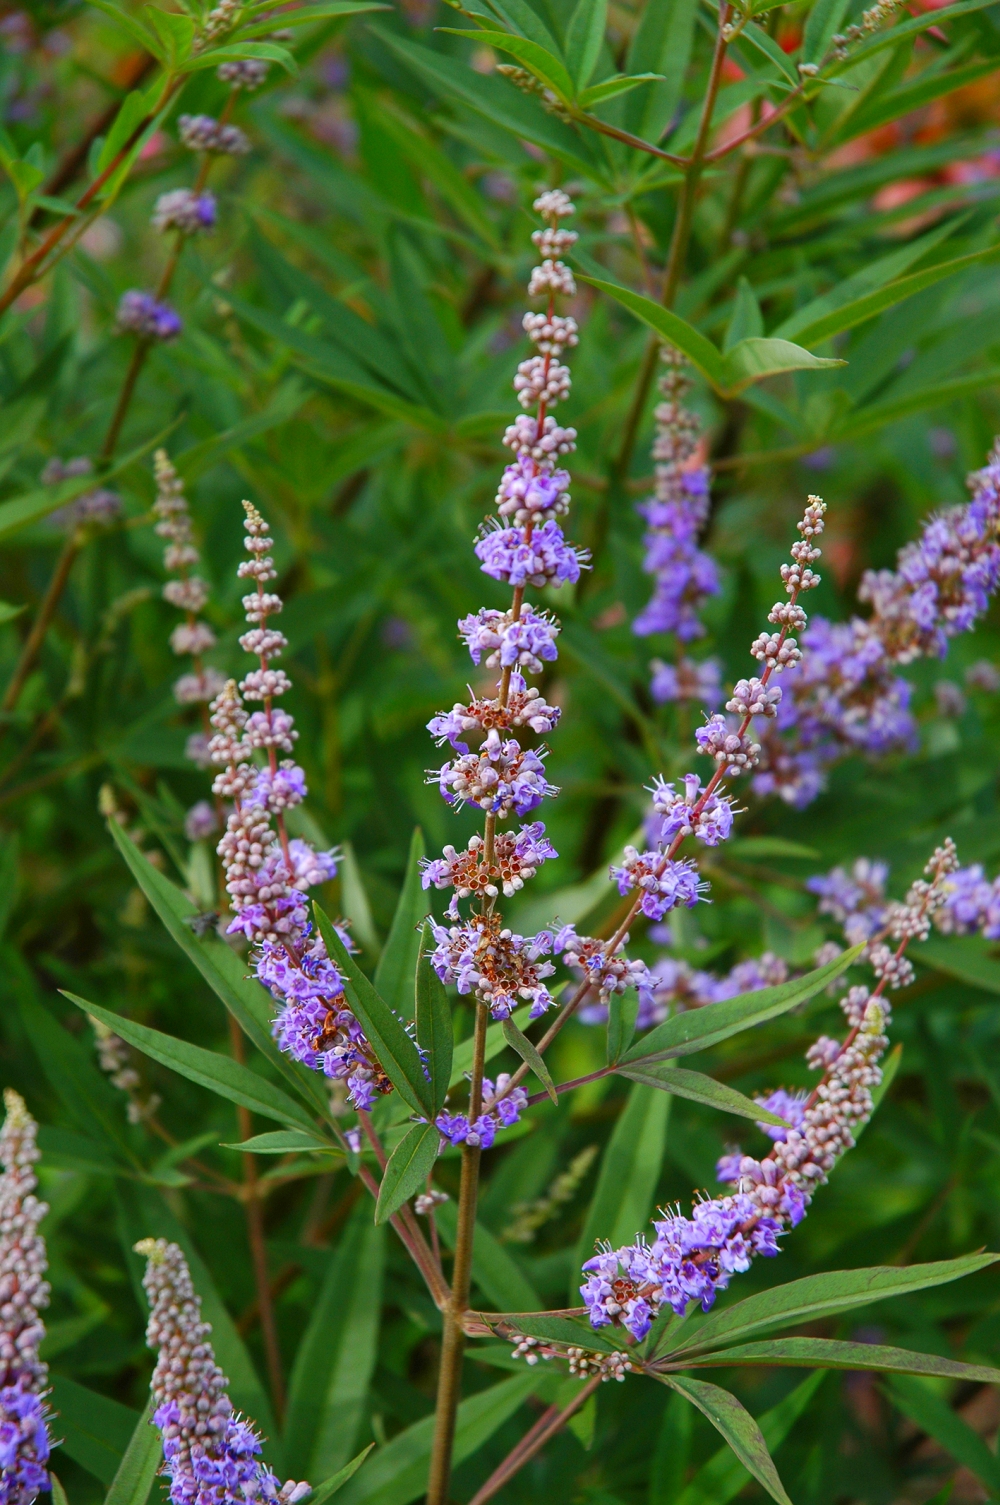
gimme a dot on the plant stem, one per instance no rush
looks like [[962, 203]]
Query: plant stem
[[46, 612], [548, 1424], [679, 241], [256, 1240], [453, 1343]]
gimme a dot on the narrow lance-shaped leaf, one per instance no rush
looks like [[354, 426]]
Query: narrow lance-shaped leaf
[[134, 1478], [339, 1479], [384, 1031], [935, 1416], [410, 1163], [737, 1426], [697, 1029], [220, 1074], [394, 974], [818, 1296], [529, 1055], [542, 63], [434, 1023], [833, 1353], [722, 1478], [284, 1142], [699, 1088]]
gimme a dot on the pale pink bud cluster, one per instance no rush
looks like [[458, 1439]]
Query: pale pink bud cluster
[[188, 592], [24, 1291]]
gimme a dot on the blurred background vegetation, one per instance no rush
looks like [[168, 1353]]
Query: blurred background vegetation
[[350, 331]]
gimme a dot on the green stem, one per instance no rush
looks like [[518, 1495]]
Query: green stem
[[453, 1341]]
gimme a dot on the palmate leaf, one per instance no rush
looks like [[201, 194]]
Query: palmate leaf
[[697, 1029], [832, 1353], [699, 1088], [397, 964], [220, 1074], [818, 1296], [737, 1426]]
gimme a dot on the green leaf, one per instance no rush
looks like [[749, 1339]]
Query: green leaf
[[220, 1074], [823, 1295], [700, 1028], [610, 88], [398, 963], [538, 60], [176, 32], [737, 1426], [354, 900], [934, 1416], [339, 1479], [249, 1003], [967, 957], [434, 1024], [325, 10], [59, 1496], [630, 1171], [754, 359], [140, 1462], [832, 1353], [286, 401], [268, 52], [384, 1031], [410, 1163], [584, 39], [530, 1056], [747, 321], [34, 505], [699, 1088], [495, 100], [8, 612], [432, 163], [876, 415], [128, 119], [623, 1011], [866, 307], [139, 33], [722, 1478], [662, 43], [336, 1357], [495, 1271], [822, 23], [676, 331], [562, 1330], [93, 1105], [397, 1473], [891, 36], [96, 1431], [462, 1060], [283, 1142], [755, 36]]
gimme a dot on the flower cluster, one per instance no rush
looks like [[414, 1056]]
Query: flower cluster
[[267, 874], [211, 1456], [456, 1128], [98, 506], [692, 1258], [114, 1060], [514, 859], [674, 986], [148, 317], [496, 965], [844, 695], [662, 881], [684, 577], [855, 899], [24, 1433], [184, 210], [202, 133]]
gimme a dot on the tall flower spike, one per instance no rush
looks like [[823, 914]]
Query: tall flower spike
[[524, 546], [267, 874], [210, 1455], [24, 1292], [189, 593], [692, 1258], [844, 695], [684, 577]]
